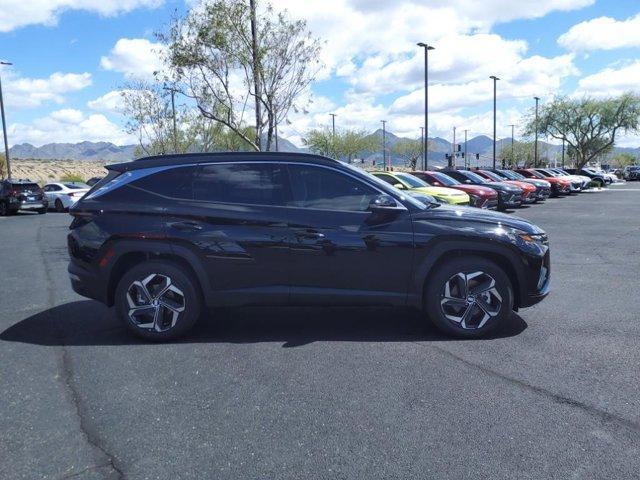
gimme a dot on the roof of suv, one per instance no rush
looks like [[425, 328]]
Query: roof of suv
[[194, 158]]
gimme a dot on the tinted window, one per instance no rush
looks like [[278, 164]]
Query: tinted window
[[248, 183], [172, 183], [390, 179], [321, 188]]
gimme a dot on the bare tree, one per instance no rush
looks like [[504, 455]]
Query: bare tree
[[224, 53]]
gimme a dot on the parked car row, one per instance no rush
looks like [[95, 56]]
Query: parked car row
[[488, 188], [26, 195]]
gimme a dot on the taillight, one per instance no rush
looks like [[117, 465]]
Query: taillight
[[14, 192]]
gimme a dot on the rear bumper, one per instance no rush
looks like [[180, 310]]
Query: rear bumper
[[85, 282]]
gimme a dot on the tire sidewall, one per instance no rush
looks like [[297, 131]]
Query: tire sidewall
[[466, 264], [179, 277]]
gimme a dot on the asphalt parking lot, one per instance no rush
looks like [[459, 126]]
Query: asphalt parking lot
[[330, 393]]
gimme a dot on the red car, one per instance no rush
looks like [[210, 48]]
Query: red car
[[481, 197], [559, 186], [528, 190]]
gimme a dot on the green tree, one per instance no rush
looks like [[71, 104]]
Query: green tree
[[589, 126], [71, 177], [409, 150], [623, 159], [225, 57], [522, 155], [345, 144], [3, 166]]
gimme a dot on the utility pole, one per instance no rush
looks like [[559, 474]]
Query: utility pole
[[425, 155], [452, 160], [333, 124], [384, 144], [495, 80], [466, 159], [173, 114], [256, 73], [513, 159], [535, 146], [276, 129], [563, 153], [4, 127], [422, 146]]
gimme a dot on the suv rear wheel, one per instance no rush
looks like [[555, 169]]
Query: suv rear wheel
[[468, 297], [158, 300]]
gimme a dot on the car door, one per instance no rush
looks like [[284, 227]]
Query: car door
[[235, 221], [341, 252]]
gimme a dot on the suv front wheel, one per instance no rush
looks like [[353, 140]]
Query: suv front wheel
[[158, 300], [468, 297]]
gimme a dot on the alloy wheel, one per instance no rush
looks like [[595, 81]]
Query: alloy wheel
[[155, 303], [469, 300]]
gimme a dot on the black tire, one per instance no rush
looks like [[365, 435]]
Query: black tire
[[59, 206], [180, 278], [435, 289], [4, 211]]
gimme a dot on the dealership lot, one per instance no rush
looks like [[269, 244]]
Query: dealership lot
[[331, 393]]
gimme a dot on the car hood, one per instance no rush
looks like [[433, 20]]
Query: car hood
[[509, 187], [469, 214], [538, 182], [440, 191], [476, 190]]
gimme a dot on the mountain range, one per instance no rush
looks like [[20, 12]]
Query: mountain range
[[105, 151]]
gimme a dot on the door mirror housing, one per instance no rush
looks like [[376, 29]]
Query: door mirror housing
[[384, 203], [399, 186]]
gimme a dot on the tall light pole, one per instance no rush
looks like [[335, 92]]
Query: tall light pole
[[452, 160], [4, 127], [495, 80], [333, 123], [384, 144], [422, 143], [425, 148], [563, 153], [535, 145]]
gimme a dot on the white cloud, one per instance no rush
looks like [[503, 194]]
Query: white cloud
[[602, 33], [111, 102], [19, 13], [134, 57], [21, 92], [611, 81], [69, 125]]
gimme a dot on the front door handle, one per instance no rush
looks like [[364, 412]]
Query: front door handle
[[309, 234], [186, 226]]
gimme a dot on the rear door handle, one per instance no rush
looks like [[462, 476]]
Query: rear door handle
[[186, 226]]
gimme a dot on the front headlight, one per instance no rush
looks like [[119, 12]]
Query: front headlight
[[538, 238]]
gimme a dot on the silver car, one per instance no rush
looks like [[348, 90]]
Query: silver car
[[62, 195]]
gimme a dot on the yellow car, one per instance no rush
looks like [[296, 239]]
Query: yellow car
[[406, 181]]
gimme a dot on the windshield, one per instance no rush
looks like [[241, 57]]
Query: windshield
[[384, 186], [511, 175], [493, 176], [25, 187], [475, 177], [446, 180], [414, 182]]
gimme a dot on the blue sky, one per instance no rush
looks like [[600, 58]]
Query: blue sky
[[70, 56]]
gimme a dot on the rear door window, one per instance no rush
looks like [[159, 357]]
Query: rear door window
[[241, 183]]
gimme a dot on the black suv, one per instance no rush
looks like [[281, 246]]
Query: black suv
[[164, 237], [21, 195]]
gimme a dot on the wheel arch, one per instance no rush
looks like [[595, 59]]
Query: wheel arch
[[126, 254], [501, 256]]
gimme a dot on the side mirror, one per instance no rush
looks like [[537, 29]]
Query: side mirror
[[383, 202], [399, 186]]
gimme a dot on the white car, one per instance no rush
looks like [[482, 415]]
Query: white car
[[63, 195], [583, 179]]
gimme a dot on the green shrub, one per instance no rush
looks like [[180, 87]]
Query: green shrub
[[71, 177]]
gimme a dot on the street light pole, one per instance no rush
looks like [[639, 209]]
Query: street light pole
[[535, 146], [513, 127], [384, 144], [495, 80], [173, 114], [452, 161], [422, 144], [563, 153], [425, 147], [4, 127]]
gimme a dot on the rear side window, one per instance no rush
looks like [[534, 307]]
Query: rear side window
[[321, 188], [175, 182], [243, 183]]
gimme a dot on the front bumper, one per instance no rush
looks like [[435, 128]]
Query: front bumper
[[541, 284]]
